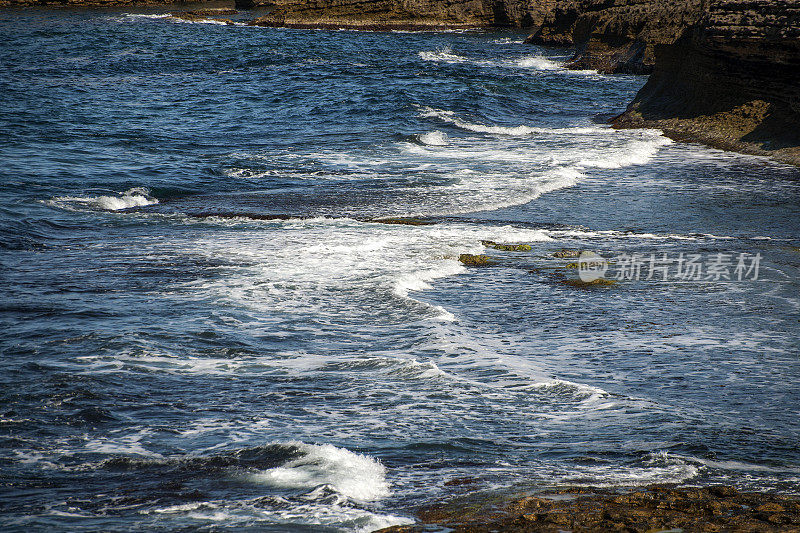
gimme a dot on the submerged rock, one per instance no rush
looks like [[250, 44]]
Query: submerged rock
[[476, 260], [507, 247], [567, 254]]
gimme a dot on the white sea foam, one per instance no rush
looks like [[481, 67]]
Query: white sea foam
[[657, 467], [433, 138], [538, 63], [442, 55], [161, 362], [507, 40], [148, 16], [637, 152], [246, 513], [354, 476], [123, 444], [136, 197], [420, 280], [614, 234], [452, 118], [532, 62], [170, 18], [318, 267], [741, 466], [569, 390], [498, 192]]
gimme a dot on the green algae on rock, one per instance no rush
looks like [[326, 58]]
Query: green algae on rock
[[513, 247], [507, 247], [476, 260]]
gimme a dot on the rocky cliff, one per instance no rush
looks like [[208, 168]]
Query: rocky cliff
[[392, 14], [732, 80], [616, 35]]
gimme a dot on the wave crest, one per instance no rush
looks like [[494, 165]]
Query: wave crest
[[450, 117], [136, 197], [355, 476], [433, 138]]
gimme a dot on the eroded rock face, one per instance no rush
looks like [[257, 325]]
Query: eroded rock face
[[616, 35], [732, 81], [391, 14]]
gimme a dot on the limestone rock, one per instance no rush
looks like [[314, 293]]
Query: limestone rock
[[731, 81]]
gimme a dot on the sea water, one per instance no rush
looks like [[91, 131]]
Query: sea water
[[203, 325]]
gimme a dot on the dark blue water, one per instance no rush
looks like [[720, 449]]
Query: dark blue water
[[203, 328]]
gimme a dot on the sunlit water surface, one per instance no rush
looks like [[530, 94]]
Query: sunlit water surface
[[201, 326]]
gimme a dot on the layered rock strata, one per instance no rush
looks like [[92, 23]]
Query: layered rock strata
[[731, 81]]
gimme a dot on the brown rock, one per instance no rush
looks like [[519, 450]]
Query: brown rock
[[596, 511], [398, 14], [198, 16], [616, 35], [475, 260], [732, 80]]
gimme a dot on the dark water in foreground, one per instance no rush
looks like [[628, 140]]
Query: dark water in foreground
[[172, 358]]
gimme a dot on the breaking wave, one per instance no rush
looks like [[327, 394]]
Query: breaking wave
[[446, 55], [451, 117], [136, 197], [433, 138], [352, 475]]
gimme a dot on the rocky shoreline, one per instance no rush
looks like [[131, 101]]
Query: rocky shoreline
[[392, 14], [731, 81], [724, 72], [652, 509]]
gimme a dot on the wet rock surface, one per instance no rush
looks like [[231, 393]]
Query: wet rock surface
[[476, 260], [650, 509], [507, 247], [724, 72], [205, 15]]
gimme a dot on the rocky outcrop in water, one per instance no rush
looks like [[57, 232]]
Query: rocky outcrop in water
[[400, 14], [205, 15], [654, 509], [732, 81]]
